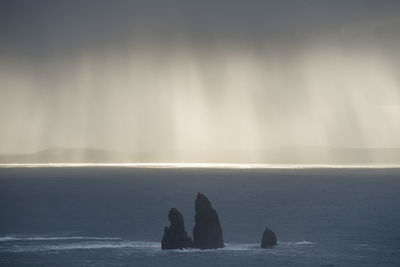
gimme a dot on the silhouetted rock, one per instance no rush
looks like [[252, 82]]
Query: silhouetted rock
[[175, 236], [207, 232], [268, 239]]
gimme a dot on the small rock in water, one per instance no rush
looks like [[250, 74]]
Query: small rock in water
[[268, 239], [175, 236], [207, 232]]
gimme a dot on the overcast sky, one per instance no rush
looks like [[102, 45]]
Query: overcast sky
[[34, 27], [145, 76]]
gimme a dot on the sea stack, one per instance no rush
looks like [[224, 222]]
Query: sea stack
[[268, 239], [207, 231], [175, 236]]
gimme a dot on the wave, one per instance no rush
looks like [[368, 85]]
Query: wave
[[227, 247], [43, 238], [18, 244], [105, 245], [87, 245], [301, 243]]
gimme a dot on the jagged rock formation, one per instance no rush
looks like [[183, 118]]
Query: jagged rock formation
[[207, 232], [268, 239], [175, 236]]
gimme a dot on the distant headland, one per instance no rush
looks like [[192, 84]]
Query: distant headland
[[302, 156]]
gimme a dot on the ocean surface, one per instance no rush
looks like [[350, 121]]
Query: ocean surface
[[110, 216]]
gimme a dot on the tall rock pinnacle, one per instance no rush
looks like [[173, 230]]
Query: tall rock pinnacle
[[175, 236], [207, 232]]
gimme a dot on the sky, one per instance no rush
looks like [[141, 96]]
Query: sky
[[199, 77]]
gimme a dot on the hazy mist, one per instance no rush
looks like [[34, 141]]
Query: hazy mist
[[207, 79]]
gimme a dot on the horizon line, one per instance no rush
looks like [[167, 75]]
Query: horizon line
[[202, 165]]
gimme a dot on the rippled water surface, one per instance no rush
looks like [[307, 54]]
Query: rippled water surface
[[115, 216]]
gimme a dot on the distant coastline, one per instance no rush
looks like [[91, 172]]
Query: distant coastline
[[301, 157]]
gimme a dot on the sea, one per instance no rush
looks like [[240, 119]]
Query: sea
[[115, 216]]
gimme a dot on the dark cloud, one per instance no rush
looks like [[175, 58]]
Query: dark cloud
[[65, 26]]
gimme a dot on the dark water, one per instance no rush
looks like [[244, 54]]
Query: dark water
[[115, 216]]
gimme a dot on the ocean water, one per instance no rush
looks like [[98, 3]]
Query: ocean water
[[115, 216]]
